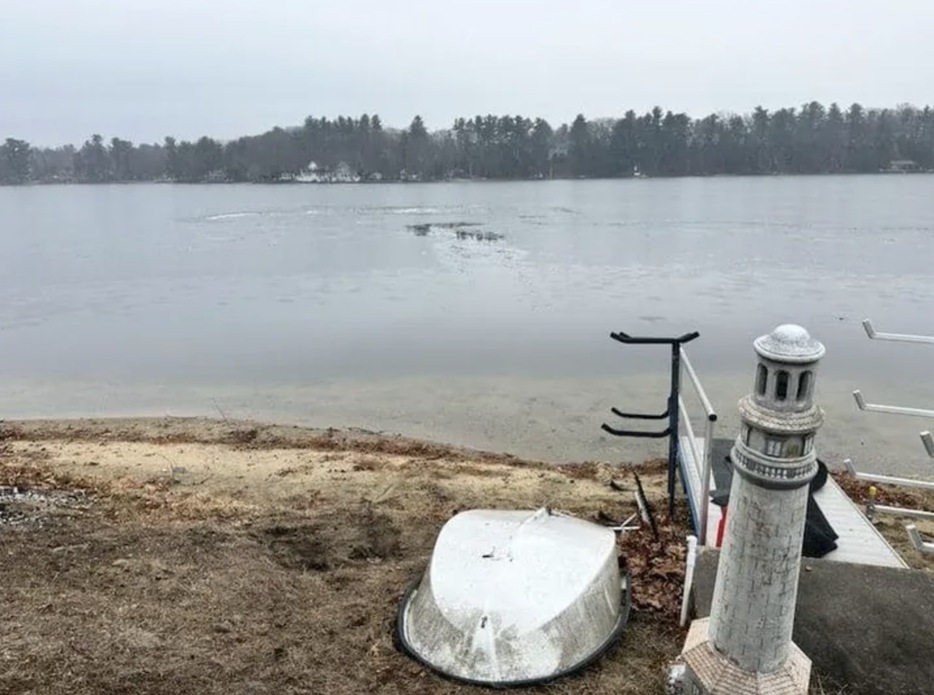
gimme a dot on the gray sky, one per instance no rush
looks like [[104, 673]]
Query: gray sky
[[143, 69]]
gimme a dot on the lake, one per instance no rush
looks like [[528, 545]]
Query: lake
[[472, 313]]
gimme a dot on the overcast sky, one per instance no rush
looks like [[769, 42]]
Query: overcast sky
[[143, 69]]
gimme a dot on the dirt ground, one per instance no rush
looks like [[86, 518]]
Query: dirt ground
[[199, 556], [192, 556]]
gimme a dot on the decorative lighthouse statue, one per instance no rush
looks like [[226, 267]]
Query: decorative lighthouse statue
[[745, 646]]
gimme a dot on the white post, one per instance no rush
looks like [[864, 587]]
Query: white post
[[688, 578]]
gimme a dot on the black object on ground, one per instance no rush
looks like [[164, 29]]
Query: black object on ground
[[819, 536]]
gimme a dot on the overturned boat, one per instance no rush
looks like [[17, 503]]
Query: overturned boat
[[514, 598]]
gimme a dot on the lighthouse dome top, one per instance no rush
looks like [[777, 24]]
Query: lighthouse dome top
[[789, 343]]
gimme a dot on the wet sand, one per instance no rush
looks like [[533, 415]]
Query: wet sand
[[554, 420]]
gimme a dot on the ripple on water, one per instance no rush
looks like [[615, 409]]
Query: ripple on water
[[230, 216]]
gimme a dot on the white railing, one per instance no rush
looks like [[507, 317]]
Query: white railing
[[926, 438], [902, 511], [915, 537], [891, 409], [688, 579], [861, 403], [700, 477], [887, 479], [895, 337]]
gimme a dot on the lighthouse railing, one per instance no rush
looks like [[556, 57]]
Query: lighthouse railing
[[700, 477]]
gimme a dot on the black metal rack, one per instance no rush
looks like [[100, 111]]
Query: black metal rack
[[671, 413]]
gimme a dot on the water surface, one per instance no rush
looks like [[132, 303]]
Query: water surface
[[476, 313]]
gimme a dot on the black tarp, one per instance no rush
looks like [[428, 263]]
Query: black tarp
[[819, 536]]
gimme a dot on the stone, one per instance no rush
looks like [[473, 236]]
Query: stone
[[789, 343], [710, 672]]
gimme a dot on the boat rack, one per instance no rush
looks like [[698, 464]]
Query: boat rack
[[689, 455], [926, 438]]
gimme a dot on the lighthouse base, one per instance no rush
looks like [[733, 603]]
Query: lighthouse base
[[710, 672]]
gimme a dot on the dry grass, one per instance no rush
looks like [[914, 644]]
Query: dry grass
[[822, 686], [217, 557], [275, 570]]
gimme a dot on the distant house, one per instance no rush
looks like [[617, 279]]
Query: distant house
[[902, 166], [310, 174], [216, 176], [342, 173]]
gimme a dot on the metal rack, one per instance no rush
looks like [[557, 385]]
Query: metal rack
[[696, 477], [926, 438]]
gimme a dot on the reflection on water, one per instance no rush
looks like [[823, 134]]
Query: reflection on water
[[135, 290]]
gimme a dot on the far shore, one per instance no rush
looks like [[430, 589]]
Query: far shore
[[384, 182]]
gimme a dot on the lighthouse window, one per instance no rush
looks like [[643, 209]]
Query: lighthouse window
[[773, 447], [804, 385], [762, 377], [781, 386]]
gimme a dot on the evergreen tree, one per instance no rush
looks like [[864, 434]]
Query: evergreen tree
[[15, 157], [811, 140]]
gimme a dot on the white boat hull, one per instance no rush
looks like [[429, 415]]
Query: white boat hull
[[515, 597]]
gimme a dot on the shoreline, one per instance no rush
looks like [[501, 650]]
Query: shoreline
[[255, 434], [385, 182], [554, 420]]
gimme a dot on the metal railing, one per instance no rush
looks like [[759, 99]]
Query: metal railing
[[915, 537], [696, 480], [886, 479], [926, 439], [895, 337], [672, 411], [890, 409], [700, 458]]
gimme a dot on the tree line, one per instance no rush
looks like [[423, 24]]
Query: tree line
[[812, 139]]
